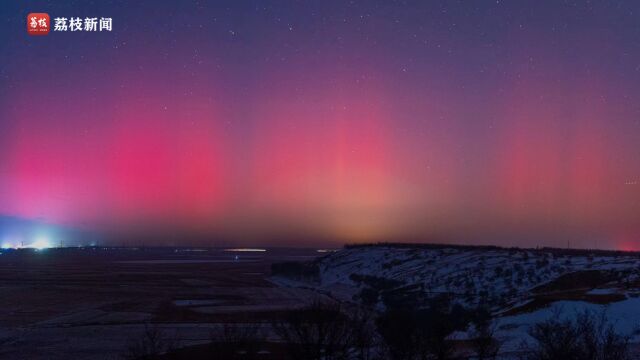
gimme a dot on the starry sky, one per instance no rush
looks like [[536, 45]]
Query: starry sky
[[323, 122]]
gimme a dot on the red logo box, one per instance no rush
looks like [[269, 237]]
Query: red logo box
[[38, 24]]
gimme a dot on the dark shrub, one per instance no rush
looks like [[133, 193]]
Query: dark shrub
[[587, 337], [296, 270], [322, 331]]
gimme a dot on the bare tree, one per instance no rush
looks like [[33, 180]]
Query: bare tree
[[320, 331], [588, 336], [363, 335], [153, 343], [233, 341], [417, 334], [484, 344]]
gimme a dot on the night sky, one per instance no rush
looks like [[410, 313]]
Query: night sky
[[309, 122]]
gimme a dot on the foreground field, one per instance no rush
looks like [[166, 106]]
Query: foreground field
[[94, 303], [90, 303]]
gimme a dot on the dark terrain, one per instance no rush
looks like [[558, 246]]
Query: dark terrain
[[92, 302]]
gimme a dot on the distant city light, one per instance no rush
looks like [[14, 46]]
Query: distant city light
[[41, 242], [11, 242]]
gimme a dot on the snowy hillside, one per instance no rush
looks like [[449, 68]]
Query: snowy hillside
[[494, 277], [519, 287]]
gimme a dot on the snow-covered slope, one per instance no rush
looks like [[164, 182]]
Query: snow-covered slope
[[520, 287], [499, 278], [512, 330]]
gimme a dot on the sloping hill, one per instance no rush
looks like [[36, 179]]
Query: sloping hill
[[502, 279]]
